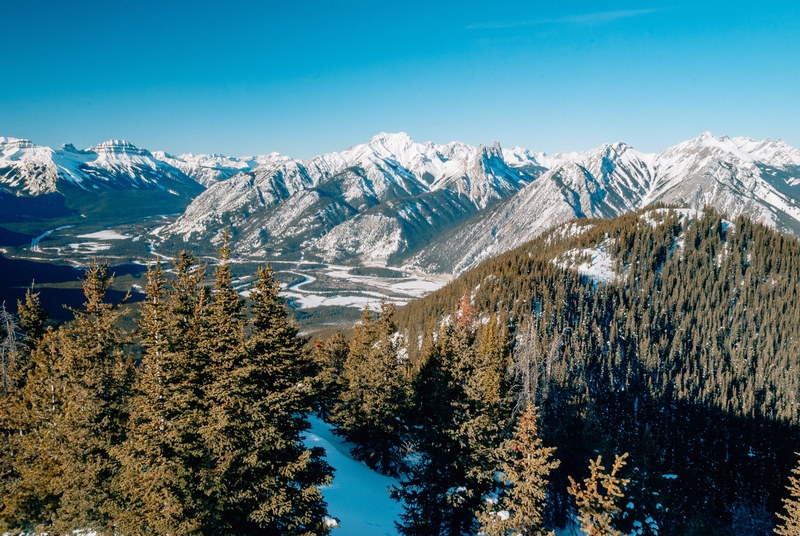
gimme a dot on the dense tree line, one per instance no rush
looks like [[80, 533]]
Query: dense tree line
[[200, 434], [687, 359]]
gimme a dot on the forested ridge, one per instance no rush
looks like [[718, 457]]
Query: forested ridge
[[639, 374], [687, 358]]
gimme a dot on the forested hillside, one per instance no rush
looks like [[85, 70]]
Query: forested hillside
[[671, 335]]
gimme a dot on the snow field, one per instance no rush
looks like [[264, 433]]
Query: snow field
[[358, 496]]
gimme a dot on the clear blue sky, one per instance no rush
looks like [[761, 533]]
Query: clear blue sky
[[307, 77]]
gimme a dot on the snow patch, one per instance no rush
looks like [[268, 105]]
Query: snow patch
[[358, 497], [595, 263], [105, 235]]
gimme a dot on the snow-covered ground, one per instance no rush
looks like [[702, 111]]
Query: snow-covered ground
[[593, 262], [109, 234], [358, 496], [397, 290]]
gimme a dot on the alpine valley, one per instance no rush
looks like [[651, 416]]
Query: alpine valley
[[390, 217]]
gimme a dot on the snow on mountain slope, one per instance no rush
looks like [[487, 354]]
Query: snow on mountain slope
[[432, 207], [361, 203], [735, 175], [29, 169], [208, 169]]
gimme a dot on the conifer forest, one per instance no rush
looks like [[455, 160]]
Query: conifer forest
[[658, 396]]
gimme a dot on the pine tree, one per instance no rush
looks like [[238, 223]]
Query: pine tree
[[373, 394], [95, 410], [32, 318], [456, 432], [597, 509], [279, 476], [221, 342], [524, 469], [31, 469], [791, 517], [159, 458], [260, 479], [330, 357]]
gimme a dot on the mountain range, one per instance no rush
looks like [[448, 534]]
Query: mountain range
[[423, 206]]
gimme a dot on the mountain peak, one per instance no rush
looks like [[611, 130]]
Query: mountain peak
[[394, 142], [16, 143], [114, 143]]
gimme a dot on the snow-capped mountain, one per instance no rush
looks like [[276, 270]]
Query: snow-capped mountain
[[29, 169], [208, 169], [372, 202], [737, 176], [430, 207]]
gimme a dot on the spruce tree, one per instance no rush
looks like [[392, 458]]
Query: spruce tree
[[524, 469], [32, 319], [330, 357], [221, 342], [373, 394], [279, 478], [95, 408], [456, 431], [260, 478], [791, 517], [159, 458], [597, 509], [31, 469]]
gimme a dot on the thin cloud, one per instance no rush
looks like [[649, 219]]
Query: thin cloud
[[584, 19]]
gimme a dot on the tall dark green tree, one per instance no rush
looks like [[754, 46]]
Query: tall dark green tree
[[330, 356], [281, 477], [161, 455], [374, 394], [260, 479], [456, 432], [32, 319]]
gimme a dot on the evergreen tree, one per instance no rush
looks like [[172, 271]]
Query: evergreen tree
[[597, 509], [278, 478], [456, 432], [373, 394], [159, 459], [260, 479], [791, 517], [31, 470], [221, 342], [32, 319], [95, 408], [330, 357], [524, 469]]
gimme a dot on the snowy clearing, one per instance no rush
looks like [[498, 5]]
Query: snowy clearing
[[595, 263]]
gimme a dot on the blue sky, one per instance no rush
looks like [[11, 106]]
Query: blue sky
[[307, 77]]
